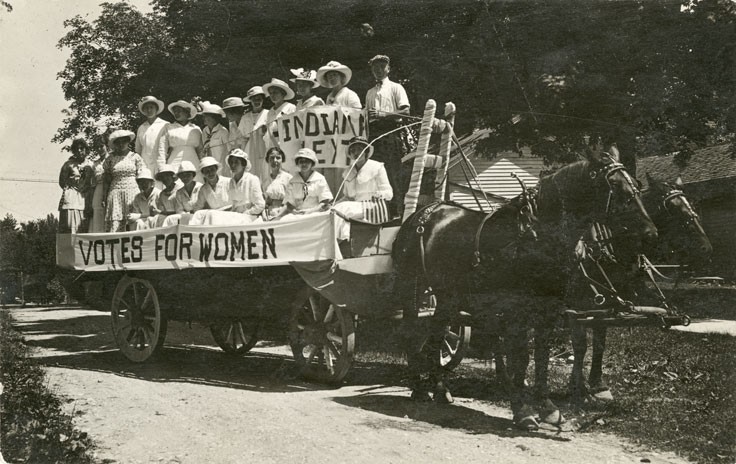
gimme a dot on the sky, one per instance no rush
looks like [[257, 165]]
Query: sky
[[31, 101]]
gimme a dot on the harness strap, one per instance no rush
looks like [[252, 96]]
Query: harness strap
[[476, 252]]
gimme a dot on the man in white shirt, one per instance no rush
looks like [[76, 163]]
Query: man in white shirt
[[386, 103]]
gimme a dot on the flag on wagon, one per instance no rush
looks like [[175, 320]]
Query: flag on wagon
[[375, 211]]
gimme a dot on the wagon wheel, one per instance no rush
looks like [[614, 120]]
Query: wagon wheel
[[137, 323], [236, 336], [322, 338]]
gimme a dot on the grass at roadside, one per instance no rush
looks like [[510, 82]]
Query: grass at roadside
[[34, 428]]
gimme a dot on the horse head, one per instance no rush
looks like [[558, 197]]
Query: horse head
[[618, 197], [674, 216]]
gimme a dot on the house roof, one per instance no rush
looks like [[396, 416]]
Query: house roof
[[706, 164]]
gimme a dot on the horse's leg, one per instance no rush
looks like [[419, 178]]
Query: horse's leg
[[517, 350], [598, 389], [548, 411], [446, 310], [579, 347], [414, 336]]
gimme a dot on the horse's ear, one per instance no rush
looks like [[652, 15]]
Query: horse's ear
[[678, 182], [614, 153]]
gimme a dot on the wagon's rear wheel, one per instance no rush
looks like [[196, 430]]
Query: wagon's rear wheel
[[322, 338], [236, 336], [137, 322]]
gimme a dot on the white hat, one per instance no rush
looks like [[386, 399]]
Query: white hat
[[306, 153], [253, 91], [151, 99], [186, 166], [362, 141], [279, 84], [120, 133], [183, 104], [333, 66], [208, 161], [305, 76], [206, 107], [238, 153], [144, 174], [232, 102], [165, 168]]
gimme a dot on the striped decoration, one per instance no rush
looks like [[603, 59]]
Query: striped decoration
[[445, 149], [412, 195], [375, 211]]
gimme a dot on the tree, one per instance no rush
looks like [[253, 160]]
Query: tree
[[542, 74]]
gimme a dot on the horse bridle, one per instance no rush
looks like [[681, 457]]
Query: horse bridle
[[676, 193], [606, 172]]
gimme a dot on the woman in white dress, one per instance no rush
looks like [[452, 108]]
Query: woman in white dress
[[181, 140], [274, 189], [305, 81], [216, 137], [335, 76], [149, 133], [244, 191], [307, 192], [251, 124], [365, 181], [278, 91]]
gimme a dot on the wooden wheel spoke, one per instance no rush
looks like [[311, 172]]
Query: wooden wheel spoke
[[330, 314], [334, 349], [136, 297], [328, 359], [147, 299], [125, 303], [312, 353], [131, 334], [241, 332], [314, 306], [452, 336], [450, 350]]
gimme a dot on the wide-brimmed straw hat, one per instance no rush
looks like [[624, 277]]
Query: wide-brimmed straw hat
[[240, 154], [306, 153], [208, 161], [333, 66], [232, 102], [364, 143], [119, 134], [305, 75], [279, 84], [206, 107], [151, 99], [164, 169], [145, 173], [253, 91], [183, 104]]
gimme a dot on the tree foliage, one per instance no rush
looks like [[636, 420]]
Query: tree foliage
[[648, 74]]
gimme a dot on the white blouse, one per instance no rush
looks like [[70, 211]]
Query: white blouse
[[371, 181], [309, 194], [214, 198], [245, 194]]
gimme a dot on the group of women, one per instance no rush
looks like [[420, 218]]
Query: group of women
[[178, 173]]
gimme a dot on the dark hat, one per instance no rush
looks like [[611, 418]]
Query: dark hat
[[380, 58]]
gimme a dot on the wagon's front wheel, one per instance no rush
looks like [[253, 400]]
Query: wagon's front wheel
[[322, 337], [137, 322], [235, 337]]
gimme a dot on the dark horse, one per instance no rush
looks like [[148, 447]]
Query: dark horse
[[681, 238], [443, 246]]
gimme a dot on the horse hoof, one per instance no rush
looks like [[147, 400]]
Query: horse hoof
[[553, 418], [420, 396], [443, 397], [527, 423]]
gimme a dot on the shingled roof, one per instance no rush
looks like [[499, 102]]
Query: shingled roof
[[706, 164]]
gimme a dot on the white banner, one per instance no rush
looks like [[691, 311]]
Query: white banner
[[325, 129], [292, 239]]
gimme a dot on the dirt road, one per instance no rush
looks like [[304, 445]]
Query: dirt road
[[197, 405]]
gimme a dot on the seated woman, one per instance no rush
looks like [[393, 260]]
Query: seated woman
[[245, 194], [214, 193], [274, 189], [186, 195], [308, 191], [166, 201], [367, 189], [143, 211]]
